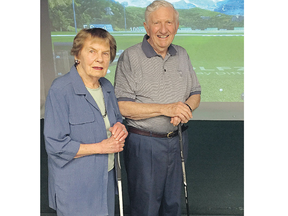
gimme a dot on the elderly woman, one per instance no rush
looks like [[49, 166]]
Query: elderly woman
[[83, 130]]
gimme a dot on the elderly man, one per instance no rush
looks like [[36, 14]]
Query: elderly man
[[157, 89]]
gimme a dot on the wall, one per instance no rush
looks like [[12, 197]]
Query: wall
[[215, 169]]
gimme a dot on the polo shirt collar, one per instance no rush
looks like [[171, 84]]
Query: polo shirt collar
[[150, 52]]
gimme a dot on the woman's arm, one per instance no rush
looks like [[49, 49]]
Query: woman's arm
[[113, 144], [107, 146]]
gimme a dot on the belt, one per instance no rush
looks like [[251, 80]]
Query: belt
[[153, 134]]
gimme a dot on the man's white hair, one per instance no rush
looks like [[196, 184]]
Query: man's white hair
[[155, 5]]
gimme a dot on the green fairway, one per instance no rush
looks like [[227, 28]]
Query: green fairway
[[219, 65], [217, 60]]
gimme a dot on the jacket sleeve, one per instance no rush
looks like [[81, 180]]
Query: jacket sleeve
[[59, 145]]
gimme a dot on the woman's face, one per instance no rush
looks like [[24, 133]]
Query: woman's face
[[94, 58]]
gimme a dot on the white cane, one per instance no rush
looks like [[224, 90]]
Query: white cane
[[119, 184]]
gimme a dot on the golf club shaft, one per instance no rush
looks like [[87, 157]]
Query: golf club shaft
[[183, 168], [119, 180], [120, 198]]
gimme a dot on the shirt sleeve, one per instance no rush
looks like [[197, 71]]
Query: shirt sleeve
[[59, 145], [196, 87], [124, 83], [114, 102]]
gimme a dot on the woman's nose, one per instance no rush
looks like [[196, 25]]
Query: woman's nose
[[98, 57]]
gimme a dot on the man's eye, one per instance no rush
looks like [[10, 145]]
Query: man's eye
[[91, 51]]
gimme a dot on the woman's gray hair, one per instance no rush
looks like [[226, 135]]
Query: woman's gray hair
[[155, 5]]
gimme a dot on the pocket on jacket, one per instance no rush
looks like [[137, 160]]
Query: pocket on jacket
[[81, 118], [82, 127]]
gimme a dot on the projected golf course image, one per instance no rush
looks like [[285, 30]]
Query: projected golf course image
[[211, 31], [217, 60]]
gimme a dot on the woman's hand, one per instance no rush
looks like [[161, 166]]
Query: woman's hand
[[111, 145], [119, 131], [116, 142]]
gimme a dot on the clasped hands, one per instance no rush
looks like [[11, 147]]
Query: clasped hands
[[115, 143], [179, 112]]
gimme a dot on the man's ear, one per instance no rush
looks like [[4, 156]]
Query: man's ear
[[177, 27], [146, 28]]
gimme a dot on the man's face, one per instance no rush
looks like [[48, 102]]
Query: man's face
[[161, 28]]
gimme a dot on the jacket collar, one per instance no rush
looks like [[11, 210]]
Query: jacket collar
[[79, 86], [77, 82], [150, 52]]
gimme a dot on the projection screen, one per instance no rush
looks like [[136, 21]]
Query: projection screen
[[212, 32]]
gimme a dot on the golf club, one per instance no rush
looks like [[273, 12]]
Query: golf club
[[183, 168], [119, 184]]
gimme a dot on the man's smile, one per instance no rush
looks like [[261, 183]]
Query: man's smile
[[162, 36]]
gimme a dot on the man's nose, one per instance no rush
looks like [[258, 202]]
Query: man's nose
[[163, 28]]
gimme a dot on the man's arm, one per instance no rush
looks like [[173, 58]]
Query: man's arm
[[138, 111], [193, 101]]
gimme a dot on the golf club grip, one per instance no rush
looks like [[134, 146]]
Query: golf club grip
[[180, 135], [117, 155]]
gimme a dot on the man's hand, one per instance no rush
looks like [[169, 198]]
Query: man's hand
[[193, 101], [179, 112]]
